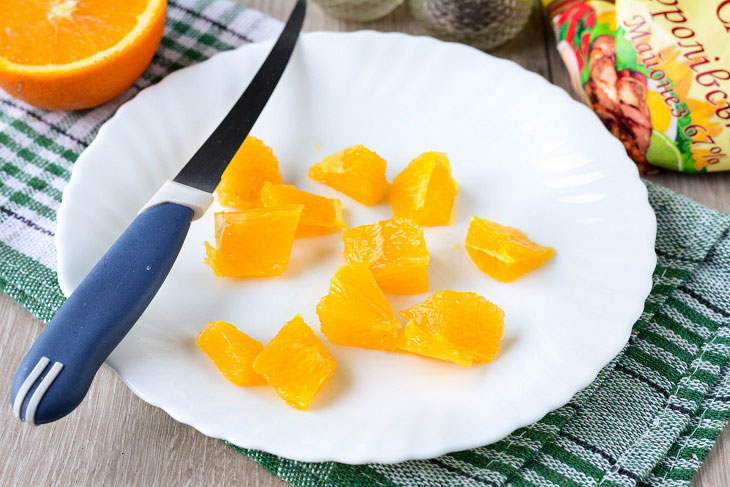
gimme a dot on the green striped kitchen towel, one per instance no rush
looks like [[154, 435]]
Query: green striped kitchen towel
[[651, 416]]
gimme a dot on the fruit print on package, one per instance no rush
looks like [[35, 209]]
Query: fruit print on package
[[657, 73]]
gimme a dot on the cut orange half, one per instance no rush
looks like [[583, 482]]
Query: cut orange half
[[72, 54]]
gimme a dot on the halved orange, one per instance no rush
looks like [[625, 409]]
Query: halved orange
[[253, 165], [296, 363], [232, 352], [320, 215], [253, 243], [395, 250], [356, 171], [458, 327], [72, 54], [503, 252], [424, 191], [355, 312]]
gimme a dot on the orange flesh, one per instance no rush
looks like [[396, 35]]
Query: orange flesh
[[502, 252], [296, 363], [70, 54], [320, 216], [232, 352], [253, 243], [356, 171], [463, 328], [253, 165], [396, 252], [425, 191], [34, 28], [356, 312]]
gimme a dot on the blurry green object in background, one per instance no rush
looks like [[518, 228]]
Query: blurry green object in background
[[484, 24], [358, 10]]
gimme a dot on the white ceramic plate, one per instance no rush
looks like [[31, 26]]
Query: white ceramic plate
[[523, 153]]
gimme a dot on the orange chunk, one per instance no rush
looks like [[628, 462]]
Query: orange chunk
[[296, 363], [356, 171], [232, 352], [425, 191], [253, 243], [356, 312], [395, 251], [250, 168], [320, 215], [463, 328], [502, 252]]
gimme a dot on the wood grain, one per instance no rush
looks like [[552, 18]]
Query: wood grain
[[116, 439]]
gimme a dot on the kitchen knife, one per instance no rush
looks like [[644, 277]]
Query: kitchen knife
[[55, 375]]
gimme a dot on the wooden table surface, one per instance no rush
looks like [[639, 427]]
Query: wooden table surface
[[116, 439]]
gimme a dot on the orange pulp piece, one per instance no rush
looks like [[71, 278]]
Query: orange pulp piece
[[356, 312], [232, 352], [72, 54], [425, 191], [463, 328], [252, 166], [395, 250], [253, 243], [502, 252], [296, 363], [320, 215], [356, 171]]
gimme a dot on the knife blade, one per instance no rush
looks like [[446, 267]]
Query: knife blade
[[206, 167], [55, 375]]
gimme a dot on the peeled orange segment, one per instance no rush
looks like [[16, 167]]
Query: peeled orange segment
[[356, 171], [296, 363], [395, 251], [232, 352], [72, 54], [463, 328], [320, 215], [502, 252], [356, 312], [253, 165], [425, 191], [253, 243]]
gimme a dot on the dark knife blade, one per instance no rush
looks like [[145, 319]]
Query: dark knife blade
[[204, 170]]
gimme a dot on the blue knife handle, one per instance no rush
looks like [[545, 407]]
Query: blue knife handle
[[55, 375]]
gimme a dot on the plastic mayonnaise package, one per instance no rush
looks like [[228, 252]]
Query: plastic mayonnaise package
[[657, 73]]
